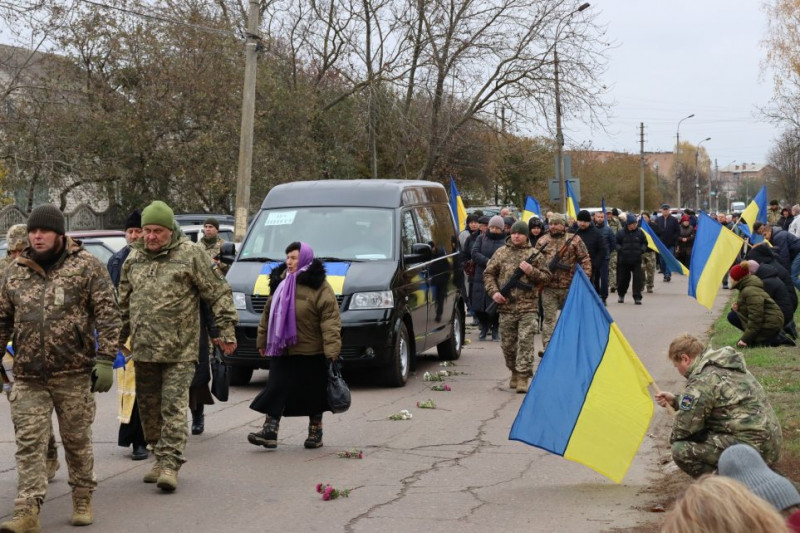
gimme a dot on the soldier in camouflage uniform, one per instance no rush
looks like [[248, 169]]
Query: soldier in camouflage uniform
[[571, 253], [212, 242], [773, 213], [721, 405], [615, 225], [649, 259], [54, 299], [16, 241], [161, 283], [519, 318]]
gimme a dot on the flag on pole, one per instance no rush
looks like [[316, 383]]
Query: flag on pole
[[457, 206], [756, 211], [572, 202], [605, 214], [655, 244], [531, 208], [714, 251], [589, 401]]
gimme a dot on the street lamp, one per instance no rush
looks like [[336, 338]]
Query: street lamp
[[697, 175], [562, 188], [678, 158]]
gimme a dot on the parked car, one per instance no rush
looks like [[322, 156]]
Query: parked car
[[101, 243], [391, 252], [197, 219], [195, 232]]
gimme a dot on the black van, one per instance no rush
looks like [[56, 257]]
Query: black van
[[391, 253]]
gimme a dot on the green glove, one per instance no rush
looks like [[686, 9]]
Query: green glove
[[102, 376]]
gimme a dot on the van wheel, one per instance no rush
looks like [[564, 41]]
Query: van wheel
[[396, 375], [240, 375], [450, 350]]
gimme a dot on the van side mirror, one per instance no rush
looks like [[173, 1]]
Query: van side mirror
[[227, 253], [420, 252]]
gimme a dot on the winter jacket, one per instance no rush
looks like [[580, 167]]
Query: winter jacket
[[115, 264], [786, 245], [631, 245], [595, 245], [54, 314], [484, 248], [722, 397], [763, 255], [573, 255], [670, 229], [761, 317], [683, 250], [212, 250], [502, 266], [319, 326], [610, 239], [776, 290]]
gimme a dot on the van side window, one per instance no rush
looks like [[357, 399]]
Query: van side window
[[409, 236], [435, 225]]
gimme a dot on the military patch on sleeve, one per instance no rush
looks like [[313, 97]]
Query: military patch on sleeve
[[687, 402]]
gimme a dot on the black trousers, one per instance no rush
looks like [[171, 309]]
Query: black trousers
[[624, 273]]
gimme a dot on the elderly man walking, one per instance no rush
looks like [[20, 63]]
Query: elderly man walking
[[54, 299], [162, 282]]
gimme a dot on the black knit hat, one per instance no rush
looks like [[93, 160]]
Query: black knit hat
[[134, 220], [584, 216], [213, 221], [47, 216], [615, 212]]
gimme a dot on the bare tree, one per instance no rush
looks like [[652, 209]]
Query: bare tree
[[785, 158]]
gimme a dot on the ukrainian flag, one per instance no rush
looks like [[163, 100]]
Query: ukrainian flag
[[335, 274], [756, 211], [589, 401], [532, 208], [457, 206], [572, 202], [655, 244], [714, 252]]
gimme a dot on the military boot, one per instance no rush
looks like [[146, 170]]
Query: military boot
[[314, 439], [512, 383], [152, 475], [24, 520], [81, 507], [268, 436], [52, 467], [168, 479], [522, 384]]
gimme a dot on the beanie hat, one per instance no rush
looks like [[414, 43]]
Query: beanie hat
[[685, 218], [744, 464], [134, 220], [497, 222], [509, 221], [519, 227], [584, 216], [737, 272], [158, 213], [630, 219], [534, 222], [470, 218], [17, 237], [213, 221], [558, 218], [751, 266], [47, 216], [773, 202], [615, 212], [483, 220]]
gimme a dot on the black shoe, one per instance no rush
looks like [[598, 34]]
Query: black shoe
[[605, 304], [637, 302], [198, 424], [612, 289], [621, 300], [541, 353], [667, 279], [314, 439], [267, 437], [139, 452]]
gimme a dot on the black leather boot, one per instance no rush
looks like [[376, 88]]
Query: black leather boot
[[198, 421], [314, 439], [268, 436]]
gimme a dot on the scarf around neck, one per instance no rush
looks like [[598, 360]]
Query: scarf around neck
[[282, 325]]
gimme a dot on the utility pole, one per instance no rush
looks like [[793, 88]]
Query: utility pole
[[710, 187], [248, 114], [562, 188], [641, 167]]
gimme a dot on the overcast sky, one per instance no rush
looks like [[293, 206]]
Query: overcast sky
[[678, 57]]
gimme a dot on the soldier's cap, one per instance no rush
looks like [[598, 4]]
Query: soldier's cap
[[558, 218], [159, 214], [664, 206], [519, 227], [213, 221], [47, 217], [17, 237], [744, 464]]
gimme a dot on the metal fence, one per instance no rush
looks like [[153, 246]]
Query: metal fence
[[82, 218]]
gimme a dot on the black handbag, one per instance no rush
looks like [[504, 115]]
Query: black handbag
[[220, 376], [338, 391]]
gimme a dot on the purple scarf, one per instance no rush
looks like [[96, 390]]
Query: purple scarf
[[282, 325]]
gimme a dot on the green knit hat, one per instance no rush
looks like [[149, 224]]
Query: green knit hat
[[213, 221], [519, 227], [47, 217], [158, 213]]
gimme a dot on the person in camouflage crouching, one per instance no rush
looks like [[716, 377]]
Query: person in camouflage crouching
[[160, 288], [519, 313], [722, 404], [54, 299]]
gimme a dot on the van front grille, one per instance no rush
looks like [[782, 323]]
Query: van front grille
[[258, 302]]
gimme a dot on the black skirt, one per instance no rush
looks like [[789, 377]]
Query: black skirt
[[296, 386]]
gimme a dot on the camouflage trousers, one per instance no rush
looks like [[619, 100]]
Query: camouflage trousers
[[612, 271], [162, 392], [698, 458], [52, 447], [552, 301], [32, 406], [516, 340], [649, 269]]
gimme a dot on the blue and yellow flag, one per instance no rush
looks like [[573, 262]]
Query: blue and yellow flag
[[589, 401], [457, 206], [655, 244], [756, 211], [714, 252], [572, 202], [531, 208], [335, 272], [605, 214]]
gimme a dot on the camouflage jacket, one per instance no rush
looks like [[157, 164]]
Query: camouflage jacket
[[575, 254], [212, 250], [159, 299], [5, 262], [722, 397], [53, 315], [502, 266]]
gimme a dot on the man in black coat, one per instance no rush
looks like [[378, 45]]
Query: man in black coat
[[670, 231], [610, 238], [595, 244], [631, 244]]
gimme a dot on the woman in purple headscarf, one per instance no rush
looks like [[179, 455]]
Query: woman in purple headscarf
[[299, 329]]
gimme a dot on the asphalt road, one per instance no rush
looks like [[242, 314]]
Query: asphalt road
[[448, 469]]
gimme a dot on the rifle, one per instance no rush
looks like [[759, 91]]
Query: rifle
[[514, 281], [555, 263]]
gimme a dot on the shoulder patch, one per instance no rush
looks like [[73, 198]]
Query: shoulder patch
[[687, 402]]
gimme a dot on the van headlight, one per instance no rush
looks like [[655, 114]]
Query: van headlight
[[372, 300], [239, 301]]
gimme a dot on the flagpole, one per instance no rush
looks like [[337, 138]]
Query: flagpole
[[656, 390]]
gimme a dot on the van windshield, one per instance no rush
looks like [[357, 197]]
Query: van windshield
[[346, 233]]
